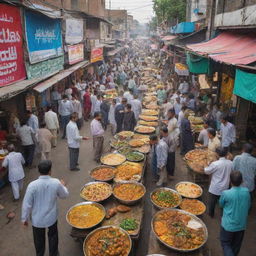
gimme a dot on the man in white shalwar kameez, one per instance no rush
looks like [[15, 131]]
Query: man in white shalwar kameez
[[14, 161], [136, 106], [93, 101], [111, 116]]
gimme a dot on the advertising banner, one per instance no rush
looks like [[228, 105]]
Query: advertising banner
[[43, 37], [96, 55], [12, 67], [75, 53], [44, 68], [74, 31]]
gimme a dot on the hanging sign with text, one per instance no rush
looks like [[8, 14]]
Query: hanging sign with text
[[96, 54], [12, 67], [75, 53]]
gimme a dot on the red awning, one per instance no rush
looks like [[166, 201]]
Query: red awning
[[229, 47], [168, 38]]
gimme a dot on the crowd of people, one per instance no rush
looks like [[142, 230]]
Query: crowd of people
[[85, 100]]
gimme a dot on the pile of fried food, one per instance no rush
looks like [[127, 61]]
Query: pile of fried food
[[150, 112], [128, 171], [152, 123], [128, 191], [189, 189], [193, 206], [96, 192], [178, 230], [198, 159], [103, 173], [120, 208], [148, 118], [145, 129]]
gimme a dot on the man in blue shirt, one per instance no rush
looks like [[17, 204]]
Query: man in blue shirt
[[235, 203], [246, 164], [40, 205]]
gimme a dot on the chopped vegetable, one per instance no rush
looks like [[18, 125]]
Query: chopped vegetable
[[129, 224]]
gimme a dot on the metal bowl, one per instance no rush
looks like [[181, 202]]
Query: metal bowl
[[101, 159], [165, 189], [102, 228], [124, 150], [153, 130], [128, 202], [186, 213], [112, 143], [96, 182], [101, 167], [188, 182], [201, 213], [141, 154], [86, 203]]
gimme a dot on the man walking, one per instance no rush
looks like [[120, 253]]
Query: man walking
[[172, 142], [65, 110], [52, 124], [220, 171], [159, 159], [111, 116], [74, 139], [136, 106], [228, 134], [40, 203], [77, 108], [246, 164], [97, 132], [119, 115], [129, 119], [236, 204], [33, 121], [27, 137], [14, 161]]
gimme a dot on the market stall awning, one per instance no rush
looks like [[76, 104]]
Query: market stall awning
[[58, 77], [10, 91], [228, 47], [114, 52], [183, 28], [245, 85]]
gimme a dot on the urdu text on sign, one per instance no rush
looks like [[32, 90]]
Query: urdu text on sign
[[12, 67]]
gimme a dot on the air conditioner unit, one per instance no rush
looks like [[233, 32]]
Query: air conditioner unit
[[199, 11]]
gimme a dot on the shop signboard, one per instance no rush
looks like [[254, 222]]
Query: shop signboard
[[44, 68], [96, 54], [12, 67], [75, 53], [43, 35], [74, 31]]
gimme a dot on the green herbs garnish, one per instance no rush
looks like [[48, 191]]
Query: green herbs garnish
[[129, 224]]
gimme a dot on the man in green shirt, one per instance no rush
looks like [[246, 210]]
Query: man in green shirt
[[236, 204]]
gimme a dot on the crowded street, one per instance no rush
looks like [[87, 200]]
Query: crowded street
[[142, 145]]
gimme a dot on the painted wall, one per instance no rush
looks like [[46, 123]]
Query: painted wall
[[235, 13], [192, 5]]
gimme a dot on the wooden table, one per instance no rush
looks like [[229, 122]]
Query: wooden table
[[137, 212]]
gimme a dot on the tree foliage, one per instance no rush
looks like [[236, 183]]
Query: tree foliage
[[170, 10]]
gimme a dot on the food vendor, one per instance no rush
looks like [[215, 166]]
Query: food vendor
[[214, 141]]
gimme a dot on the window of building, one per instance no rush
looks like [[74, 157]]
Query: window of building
[[74, 4]]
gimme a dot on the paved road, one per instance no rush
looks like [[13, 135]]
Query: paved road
[[16, 240]]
